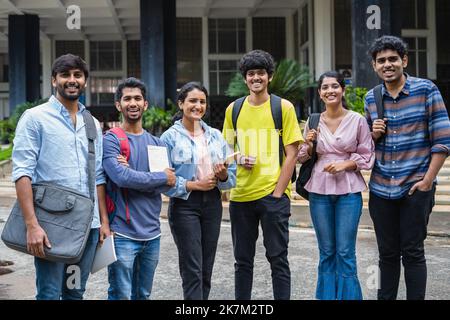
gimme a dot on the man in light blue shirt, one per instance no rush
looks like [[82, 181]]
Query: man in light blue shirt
[[51, 146]]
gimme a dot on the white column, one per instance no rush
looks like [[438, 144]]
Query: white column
[[290, 37], [323, 36], [205, 49], [46, 45]]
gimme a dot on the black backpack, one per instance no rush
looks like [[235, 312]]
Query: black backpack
[[277, 115], [306, 169]]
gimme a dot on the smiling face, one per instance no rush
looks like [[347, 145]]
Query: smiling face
[[69, 84], [331, 91], [194, 105], [389, 65], [132, 104], [257, 80]]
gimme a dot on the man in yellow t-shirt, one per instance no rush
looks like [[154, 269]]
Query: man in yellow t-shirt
[[262, 191]]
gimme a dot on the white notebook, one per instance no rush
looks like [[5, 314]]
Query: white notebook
[[158, 159], [104, 255]]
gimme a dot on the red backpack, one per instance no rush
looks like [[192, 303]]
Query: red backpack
[[111, 194]]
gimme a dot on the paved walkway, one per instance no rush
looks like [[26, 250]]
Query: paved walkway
[[303, 255]]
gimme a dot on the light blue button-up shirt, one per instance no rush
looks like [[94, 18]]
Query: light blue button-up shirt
[[48, 148]]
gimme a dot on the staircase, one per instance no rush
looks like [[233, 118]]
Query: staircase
[[442, 191]]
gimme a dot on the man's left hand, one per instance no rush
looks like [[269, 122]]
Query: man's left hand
[[105, 232]]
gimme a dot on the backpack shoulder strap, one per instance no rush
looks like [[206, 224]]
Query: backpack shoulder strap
[[123, 140], [277, 115], [237, 107], [313, 122], [378, 95]]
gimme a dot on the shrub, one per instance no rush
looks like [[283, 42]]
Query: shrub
[[355, 98]]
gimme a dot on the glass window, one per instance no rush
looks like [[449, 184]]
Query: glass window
[[73, 47], [226, 36], [103, 89], [418, 64], [414, 14], [269, 34], [106, 55], [304, 26], [134, 58], [189, 50], [220, 74], [342, 30]]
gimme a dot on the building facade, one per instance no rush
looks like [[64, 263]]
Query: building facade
[[168, 43]]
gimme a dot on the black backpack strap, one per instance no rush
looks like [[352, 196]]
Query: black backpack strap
[[277, 115], [378, 95], [237, 107], [313, 122]]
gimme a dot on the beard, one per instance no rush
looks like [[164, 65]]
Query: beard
[[71, 97]]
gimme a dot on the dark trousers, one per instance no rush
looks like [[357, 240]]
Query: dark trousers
[[195, 226], [274, 216], [401, 229]]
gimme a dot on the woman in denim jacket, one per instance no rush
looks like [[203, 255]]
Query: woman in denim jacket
[[198, 154]]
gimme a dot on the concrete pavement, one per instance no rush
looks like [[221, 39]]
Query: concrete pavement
[[303, 256]]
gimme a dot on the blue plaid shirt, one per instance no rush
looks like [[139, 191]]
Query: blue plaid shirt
[[418, 126]]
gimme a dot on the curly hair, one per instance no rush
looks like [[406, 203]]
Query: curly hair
[[257, 59], [388, 43]]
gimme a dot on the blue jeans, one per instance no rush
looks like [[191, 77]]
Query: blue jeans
[[56, 280], [336, 220], [131, 276]]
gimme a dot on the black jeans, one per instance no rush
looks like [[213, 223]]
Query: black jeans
[[401, 229], [195, 226], [274, 216]]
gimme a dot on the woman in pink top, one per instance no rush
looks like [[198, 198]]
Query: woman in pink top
[[344, 147]]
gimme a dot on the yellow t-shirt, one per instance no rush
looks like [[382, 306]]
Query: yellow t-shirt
[[257, 137]]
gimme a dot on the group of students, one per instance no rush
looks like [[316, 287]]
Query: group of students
[[245, 157]]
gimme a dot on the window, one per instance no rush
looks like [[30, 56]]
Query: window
[[417, 65], [419, 31], [220, 74], [269, 34], [106, 55], [227, 43], [342, 30], [226, 36], [103, 89], [134, 58], [189, 50], [305, 30], [73, 47], [414, 14]]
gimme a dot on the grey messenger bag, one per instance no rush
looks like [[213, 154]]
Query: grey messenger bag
[[64, 213]]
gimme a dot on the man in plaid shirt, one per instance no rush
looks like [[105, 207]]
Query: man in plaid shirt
[[415, 128]]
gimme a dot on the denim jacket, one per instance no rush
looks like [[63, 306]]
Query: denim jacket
[[183, 157]]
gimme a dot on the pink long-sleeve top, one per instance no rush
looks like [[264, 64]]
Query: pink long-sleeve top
[[351, 141]]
